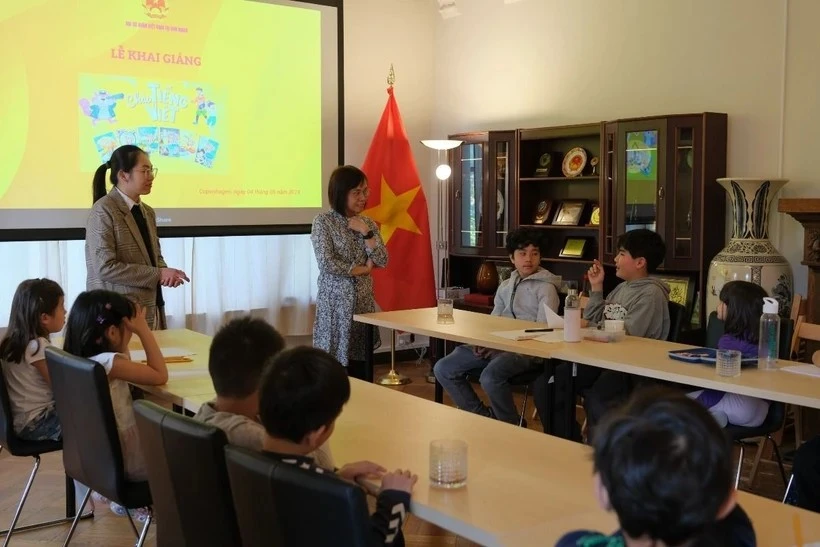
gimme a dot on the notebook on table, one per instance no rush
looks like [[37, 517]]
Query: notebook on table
[[706, 356]]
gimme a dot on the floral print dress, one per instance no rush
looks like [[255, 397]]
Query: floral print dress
[[338, 250]]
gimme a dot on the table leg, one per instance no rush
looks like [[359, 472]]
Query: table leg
[[546, 396], [438, 348], [368, 357], [571, 401]]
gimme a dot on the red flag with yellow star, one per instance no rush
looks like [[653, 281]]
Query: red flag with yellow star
[[398, 205]]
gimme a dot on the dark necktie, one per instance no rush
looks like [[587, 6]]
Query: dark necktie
[[139, 218]]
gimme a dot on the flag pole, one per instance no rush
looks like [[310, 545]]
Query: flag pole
[[393, 378]]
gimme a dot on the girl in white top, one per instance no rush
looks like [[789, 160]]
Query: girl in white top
[[37, 311], [100, 326]]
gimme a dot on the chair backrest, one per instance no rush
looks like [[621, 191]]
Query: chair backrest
[[677, 313], [806, 332], [281, 504], [91, 444], [188, 478], [714, 330]]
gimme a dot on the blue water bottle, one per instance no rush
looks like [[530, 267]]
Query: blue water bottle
[[769, 341]]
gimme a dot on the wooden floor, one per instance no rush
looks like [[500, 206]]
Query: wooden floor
[[46, 500]]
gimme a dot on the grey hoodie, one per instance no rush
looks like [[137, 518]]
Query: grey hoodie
[[539, 288], [646, 302]]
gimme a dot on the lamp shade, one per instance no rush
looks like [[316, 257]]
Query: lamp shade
[[440, 144]]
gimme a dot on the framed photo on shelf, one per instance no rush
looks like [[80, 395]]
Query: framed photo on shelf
[[574, 247], [569, 213], [542, 211], [595, 215], [681, 290]]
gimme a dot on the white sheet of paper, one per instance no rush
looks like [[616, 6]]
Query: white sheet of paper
[[554, 320], [139, 354], [808, 370], [552, 337], [518, 334]]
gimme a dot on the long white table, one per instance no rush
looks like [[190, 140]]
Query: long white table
[[633, 355]]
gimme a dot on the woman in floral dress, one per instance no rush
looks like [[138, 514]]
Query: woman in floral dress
[[348, 246]]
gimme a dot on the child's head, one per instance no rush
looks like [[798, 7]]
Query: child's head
[[640, 252], [239, 352], [524, 248], [740, 308], [301, 394], [663, 465], [37, 309], [96, 323]]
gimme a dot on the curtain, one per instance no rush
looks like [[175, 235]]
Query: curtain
[[271, 277]]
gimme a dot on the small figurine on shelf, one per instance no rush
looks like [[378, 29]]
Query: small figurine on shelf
[[594, 164]]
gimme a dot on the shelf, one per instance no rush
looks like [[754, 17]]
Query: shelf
[[555, 179], [559, 227], [566, 260]]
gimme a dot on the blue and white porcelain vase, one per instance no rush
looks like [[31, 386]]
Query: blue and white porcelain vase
[[750, 256]]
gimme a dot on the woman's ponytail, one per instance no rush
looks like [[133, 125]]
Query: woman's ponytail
[[98, 186]]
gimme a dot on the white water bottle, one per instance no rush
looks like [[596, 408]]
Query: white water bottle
[[572, 317], [769, 342]]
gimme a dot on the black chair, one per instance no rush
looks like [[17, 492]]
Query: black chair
[[188, 478], [91, 445], [281, 504], [677, 314], [23, 448], [776, 416]]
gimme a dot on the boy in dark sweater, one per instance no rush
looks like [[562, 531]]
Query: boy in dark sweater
[[665, 467], [302, 392]]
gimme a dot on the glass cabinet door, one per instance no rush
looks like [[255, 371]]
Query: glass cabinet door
[[684, 153], [501, 197], [468, 220], [643, 174], [610, 203]]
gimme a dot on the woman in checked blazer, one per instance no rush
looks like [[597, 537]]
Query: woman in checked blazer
[[122, 250]]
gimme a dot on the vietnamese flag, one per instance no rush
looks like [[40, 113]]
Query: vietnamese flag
[[398, 205]]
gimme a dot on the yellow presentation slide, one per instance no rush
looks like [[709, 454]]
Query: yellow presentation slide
[[225, 96]]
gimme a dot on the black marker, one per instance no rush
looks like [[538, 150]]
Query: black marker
[[538, 330]]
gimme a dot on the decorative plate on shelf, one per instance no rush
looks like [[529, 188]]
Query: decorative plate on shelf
[[574, 162]]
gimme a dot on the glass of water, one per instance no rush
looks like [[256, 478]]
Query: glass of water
[[728, 363], [445, 311], [448, 463]]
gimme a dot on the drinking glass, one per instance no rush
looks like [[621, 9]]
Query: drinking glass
[[727, 363], [445, 311], [448, 463]]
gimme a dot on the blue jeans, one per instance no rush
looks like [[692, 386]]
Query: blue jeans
[[495, 380], [46, 427]]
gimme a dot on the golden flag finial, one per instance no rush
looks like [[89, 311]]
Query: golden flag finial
[[391, 76]]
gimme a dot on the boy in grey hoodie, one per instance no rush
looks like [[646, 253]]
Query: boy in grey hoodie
[[522, 296], [642, 302]]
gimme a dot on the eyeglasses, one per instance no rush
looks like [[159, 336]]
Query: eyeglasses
[[149, 171], [358, 192]]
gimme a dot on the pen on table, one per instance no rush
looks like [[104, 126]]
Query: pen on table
[[798, 533], [538, 330]]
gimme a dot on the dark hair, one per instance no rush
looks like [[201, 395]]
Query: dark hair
[[239, 352], [744, 306], [301, 390], [123, 158], [91, 314], [521, 238], [646, 244], [666, 465], [343, 179], [32, 298]]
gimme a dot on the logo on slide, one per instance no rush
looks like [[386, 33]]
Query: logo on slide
[[155, 9]]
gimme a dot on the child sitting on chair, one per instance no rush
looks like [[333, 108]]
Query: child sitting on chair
[[301, 395], [523, 296], [239, 352], [665, 467]]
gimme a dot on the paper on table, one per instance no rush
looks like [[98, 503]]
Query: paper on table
[[517, 334], [808, 370], [139, 354], [554, 320], [552, 337]]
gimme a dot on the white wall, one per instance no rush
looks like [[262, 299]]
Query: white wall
[[548, 62]]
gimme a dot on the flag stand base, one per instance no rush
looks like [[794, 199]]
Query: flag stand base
[[393, 378]]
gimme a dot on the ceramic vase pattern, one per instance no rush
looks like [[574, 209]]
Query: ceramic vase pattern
[[750, 256]]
